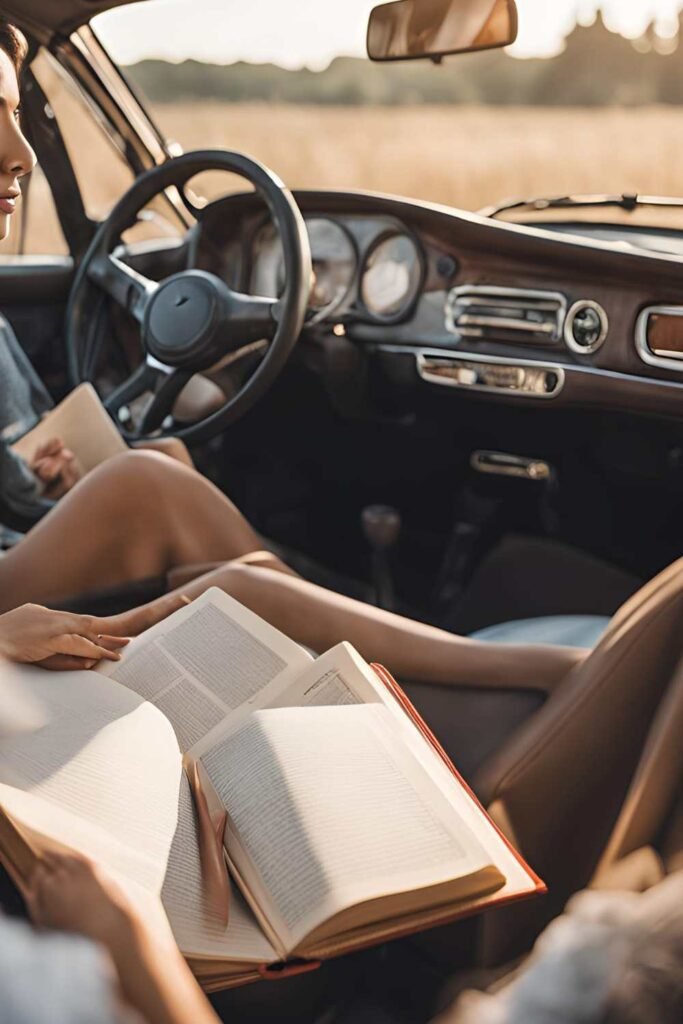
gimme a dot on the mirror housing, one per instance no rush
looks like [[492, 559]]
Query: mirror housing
[[415, 29]]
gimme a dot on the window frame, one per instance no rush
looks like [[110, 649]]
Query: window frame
[[119, 113]]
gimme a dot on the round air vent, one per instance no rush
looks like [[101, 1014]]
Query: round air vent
[[586, 326]]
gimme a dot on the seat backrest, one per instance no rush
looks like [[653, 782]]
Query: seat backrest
[[649, 815], [557, 787]]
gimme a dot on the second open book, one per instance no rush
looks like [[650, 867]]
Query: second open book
[[345, 824]]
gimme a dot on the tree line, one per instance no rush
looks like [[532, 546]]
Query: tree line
[[597, 67]]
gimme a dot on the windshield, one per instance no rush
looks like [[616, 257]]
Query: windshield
[[583, 103]]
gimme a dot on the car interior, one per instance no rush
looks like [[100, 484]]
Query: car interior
[[474, 422]]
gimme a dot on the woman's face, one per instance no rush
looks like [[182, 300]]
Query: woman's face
[[16, 156]]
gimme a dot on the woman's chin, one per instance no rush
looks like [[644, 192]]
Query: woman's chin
[[4, 226]]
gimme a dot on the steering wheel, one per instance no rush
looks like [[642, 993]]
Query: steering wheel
[[191, 321]]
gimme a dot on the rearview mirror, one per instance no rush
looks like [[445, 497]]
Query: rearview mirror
[[410, 29]]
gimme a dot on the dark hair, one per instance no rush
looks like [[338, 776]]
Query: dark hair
[[14, 44]]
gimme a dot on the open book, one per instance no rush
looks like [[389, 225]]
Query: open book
[[345, 825], [83, 424]]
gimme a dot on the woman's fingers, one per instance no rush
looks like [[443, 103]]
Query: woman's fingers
[[67, 663], [51, 447], [96, 631], [112, 643], [82, 647], [48, 468]]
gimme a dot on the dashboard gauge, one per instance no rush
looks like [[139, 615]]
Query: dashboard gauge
[[391, 276], [334, 263]]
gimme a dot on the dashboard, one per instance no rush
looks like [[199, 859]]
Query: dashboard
[[437, 298]]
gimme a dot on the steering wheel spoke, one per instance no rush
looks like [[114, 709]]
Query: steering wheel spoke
[[253, 317], [162, 401], [129, 289], [143, 379]]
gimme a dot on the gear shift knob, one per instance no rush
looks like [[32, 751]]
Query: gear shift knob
[[381, 529], [381, 526]]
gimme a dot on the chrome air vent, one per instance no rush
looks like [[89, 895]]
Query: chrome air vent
[[488, 313]]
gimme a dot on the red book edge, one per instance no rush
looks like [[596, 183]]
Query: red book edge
[[386, 677]]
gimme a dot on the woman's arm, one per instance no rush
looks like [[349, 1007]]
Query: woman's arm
[[69, 893]]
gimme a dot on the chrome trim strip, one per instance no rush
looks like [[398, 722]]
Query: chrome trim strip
[[423, 358], [501, 464], [558, 300], [470, 320], [570, 370], [642, 347], [583, 350]]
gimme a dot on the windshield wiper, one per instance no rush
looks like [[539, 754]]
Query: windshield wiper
[[627, 201]]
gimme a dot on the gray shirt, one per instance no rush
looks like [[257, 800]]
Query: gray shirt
[[55, 978], [23, 401]]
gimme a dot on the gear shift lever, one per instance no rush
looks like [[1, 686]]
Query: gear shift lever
[[381, 529]]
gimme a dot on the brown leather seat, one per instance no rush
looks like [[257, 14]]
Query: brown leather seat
[[646, 843], [647, 839], [557, 786]]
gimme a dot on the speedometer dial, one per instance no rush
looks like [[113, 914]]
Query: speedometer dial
[[334, 264], [391, 276]]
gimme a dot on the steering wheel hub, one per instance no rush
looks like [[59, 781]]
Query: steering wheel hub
[[182, 320]]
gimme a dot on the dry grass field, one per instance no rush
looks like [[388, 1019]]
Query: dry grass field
[[462, 156]]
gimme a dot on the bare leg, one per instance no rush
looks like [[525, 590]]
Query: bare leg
[[136, 516], [320, 619], [178, 579]]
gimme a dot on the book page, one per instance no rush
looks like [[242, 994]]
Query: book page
[[205, 661], [83, 424], [327, 809], [198, 930], [342, 676], [337, 678], [105, 759]]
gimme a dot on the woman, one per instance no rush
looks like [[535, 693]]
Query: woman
[[144, 515]]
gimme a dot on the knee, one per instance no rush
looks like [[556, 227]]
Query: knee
[[236, 579], [133, 481], [138, 467]]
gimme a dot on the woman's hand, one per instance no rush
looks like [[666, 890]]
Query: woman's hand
[[58, 640], [69, 893], [56, 467]]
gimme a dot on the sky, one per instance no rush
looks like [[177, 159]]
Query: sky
[[294, 33]]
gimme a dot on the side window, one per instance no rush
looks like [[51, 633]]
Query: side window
[[99, 166], [101, 170]]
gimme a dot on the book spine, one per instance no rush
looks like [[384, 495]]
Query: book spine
[[276, 972]]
